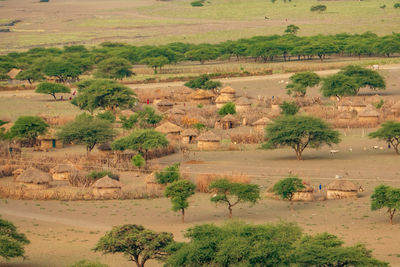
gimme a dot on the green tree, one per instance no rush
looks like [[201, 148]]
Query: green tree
[[86, 263], [28, 127], [106, 115], [179, 191], [339, 85], [231, 193], [11, 242], [286, 188], [136, 243], [319, 8], [299, 132], [105, 94], [389, 132], [327, 250], [386, 197], [114, 68], [87, 130], [202, 54], [365, 77], [142, 141], [31, 75], [52, 89], [169, 174], [148, 117], [63, 70], [228, 108], [301, 81], [138, 161], [289, 108], [203, 82], [155, 62], [292, 29]]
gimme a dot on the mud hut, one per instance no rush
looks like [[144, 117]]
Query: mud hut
[[202, 97], [222, 100], [164, 105], [369, 116], [175, 112], [228, 121], [305, 194], [228, 92], [189, 136], [50, 140], [62, 172], [34, 179], [260, 125], [169, 128], [243, 104], [106, 188], [341, 189], [208, 141], [395, 109]]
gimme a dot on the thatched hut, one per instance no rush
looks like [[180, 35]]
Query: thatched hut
[[202, 97], [243, 104], [169, 128], [34, 178], [164, 105], [369, 116], [189, 136], [358, 105], [105, 150], [228, 92], [208, 141], [62, 172], [50, 140], [222, 100], [260, 124], [341, 189], [395, 109], [228, 121], [175, 112], [13, 74], [106, 188], [349, 105], [305, 194]]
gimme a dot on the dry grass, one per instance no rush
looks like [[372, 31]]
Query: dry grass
[[203, 181], [247, 138]]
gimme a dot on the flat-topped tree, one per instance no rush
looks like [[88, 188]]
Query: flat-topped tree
[[28, 127], [300, 81], [52, 89], [114, 68], [299, 132], [365, 77], [286, 188], [389, 132], [31, 75], [63, 70], [386, 197]]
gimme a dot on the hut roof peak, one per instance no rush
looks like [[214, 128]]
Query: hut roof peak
[[342, 185], [107, 182], [168, 127], [34, 176]]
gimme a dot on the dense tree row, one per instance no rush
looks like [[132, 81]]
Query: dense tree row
[[114, 60]]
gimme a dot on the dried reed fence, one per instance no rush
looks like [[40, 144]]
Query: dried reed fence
[[203, 181]]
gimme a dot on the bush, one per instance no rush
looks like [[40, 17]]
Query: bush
[[106, 115], [397, 5], [86, 263], [169, 174], [138, 161], [203, 82], [289, 108], [100, 174], [228, 108], [197, 3], [318, 8]]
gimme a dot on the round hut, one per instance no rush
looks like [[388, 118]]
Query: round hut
[[208, 141], [50, 140], [169, 128], [62, 172], [189, 136], [395, 109], [34, 178], [228, 121], [344, 118], [345, 105], [106, 188], [202, 97], [242, 104], [228, 92], [341, 189], [305, 194], [369, 116], [222, 100], [164, 105], [105, 150], [358, 105], [260, 125]]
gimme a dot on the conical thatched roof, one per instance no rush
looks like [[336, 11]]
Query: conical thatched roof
[[223, 99], [344, 116], [164, 103], [358, 103], [61, 168], [175, 111], [228, 118], [342, 185], [107, 182], [201, 94], [262, 121], [189, 132], [13, 73], [345, 103], [243, 101], [227, 90], [34, 176], [369, 111], [168, 127], [209, 137]]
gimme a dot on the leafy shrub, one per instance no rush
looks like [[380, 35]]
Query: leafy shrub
[[197, 3], [138, 161], [318, 8], [86, 263], [289, 108], [228, 108], [169, 174], [106, 115], [100, 174], [203, 82], [397, 5]]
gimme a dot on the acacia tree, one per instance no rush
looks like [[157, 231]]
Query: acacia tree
[[52, 89], [11, 242], [365, 77], [87, 130], [179, 191], [386, 197], [289, 108], [28, 127], [63, 70], [202, 54], [301, 81], [31, 75], [231, 193], [339, 85], [299, 132], [292, 29], [155, 62], [389, 132], [136, 243], [114, 68], [286, 188]]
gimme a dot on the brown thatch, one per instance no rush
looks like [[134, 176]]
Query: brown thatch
[[342, 185], [189, 132], [34, 176], [168, 127], [175, 111], [7, 126], [344, 116], [209, 137], [201, 95], [164, 103], [243, 101], [106, 182], [61, 168], [228, 90], [358, 103], [13, 73], [263, 121], [222, 99], [228, 118], [369, 111], [104, 147]]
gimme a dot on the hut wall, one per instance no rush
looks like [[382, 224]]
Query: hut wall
[[334, 194], [202, 101], [63, 176], [59, 144], [259, 128], [358, 108], [106, 192], [370, 121], [208, 145], [344, 108], [46, 144], [275, 107], [189, 139], [303, 196], [35, 186]]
